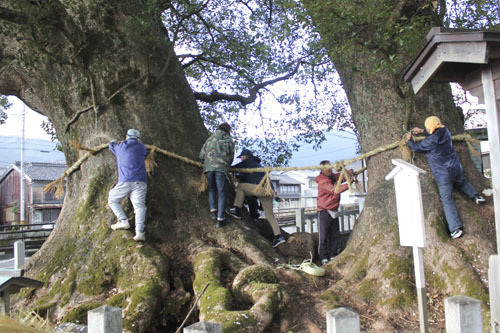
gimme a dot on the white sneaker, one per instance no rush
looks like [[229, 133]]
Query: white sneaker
[[140, 237], [122, 224]]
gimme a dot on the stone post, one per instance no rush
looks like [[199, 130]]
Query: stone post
[[105, 319], [19, 254], [309, 227], [463, 315], [342, 320], [204, 327], [300, 219]]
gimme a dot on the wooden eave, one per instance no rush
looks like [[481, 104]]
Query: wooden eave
[[14, 284], [451, 54]]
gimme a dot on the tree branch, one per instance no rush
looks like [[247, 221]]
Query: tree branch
[[200, 58], [215, 96], [96, 107]]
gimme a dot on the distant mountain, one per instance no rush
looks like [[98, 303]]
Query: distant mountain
[[338, 146], [35, 150]]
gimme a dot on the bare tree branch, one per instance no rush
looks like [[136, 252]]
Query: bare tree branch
[[215, 96], [200, 58]]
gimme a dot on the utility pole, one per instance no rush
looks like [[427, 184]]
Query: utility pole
[[21, 204]]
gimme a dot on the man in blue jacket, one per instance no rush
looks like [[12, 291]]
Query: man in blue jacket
[[132, 179], [446, 168], [247, 186]]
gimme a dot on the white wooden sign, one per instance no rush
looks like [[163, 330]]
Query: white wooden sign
[[408, 203]]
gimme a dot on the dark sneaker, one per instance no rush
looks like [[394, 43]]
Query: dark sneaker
[[213, 215], [479, 199], [456, 234], [278, 240], [221, 223], [234, 212]]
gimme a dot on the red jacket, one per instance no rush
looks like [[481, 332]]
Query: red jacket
[[328, 199]]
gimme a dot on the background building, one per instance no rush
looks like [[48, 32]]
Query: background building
[[40, 207]]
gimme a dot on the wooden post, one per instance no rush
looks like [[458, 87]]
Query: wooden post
[[493, 118], [494, 287], [411, 225], [4, 311], [418, 262]]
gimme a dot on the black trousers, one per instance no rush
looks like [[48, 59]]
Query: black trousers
[[329, 235]]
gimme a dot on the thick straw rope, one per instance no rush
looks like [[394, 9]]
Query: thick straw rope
[[264, 186]]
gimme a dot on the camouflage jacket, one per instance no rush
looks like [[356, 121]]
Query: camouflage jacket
[[218, 152]]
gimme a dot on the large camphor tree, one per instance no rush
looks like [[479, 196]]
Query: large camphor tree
[[372, 43], [97, 68]]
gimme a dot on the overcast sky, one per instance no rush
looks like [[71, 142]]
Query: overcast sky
[[13, 125]]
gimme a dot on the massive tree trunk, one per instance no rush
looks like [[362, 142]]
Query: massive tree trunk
[[370, 43], [96, 69]]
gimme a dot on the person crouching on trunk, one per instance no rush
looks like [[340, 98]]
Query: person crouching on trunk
[[327, 206], [247, 186], [132, 179]]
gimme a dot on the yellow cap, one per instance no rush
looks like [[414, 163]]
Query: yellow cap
[[432, 123]]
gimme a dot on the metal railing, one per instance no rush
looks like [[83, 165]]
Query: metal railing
[[305, 219], [33, 235]]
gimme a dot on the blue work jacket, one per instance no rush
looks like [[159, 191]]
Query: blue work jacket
[[131, 159], [440, 154]]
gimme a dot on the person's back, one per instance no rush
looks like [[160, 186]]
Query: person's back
[[441, 155], [328, 199], [217, 152], [252, 162], [132, 180], [130, 156]]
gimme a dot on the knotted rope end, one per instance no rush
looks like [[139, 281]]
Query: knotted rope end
[[150, 160]]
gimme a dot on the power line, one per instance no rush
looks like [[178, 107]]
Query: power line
[[33, 149]]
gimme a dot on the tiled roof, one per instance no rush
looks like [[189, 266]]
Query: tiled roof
[[42, 171], [284, 179]]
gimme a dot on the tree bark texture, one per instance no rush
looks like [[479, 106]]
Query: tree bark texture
[[384, 108], [96, 69]]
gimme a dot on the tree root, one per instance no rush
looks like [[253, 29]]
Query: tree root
[[253, 283]]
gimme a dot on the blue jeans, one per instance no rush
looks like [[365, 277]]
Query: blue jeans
[[450, 210], [217, 192]]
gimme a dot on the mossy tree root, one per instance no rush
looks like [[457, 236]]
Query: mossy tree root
[[254, 284]]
